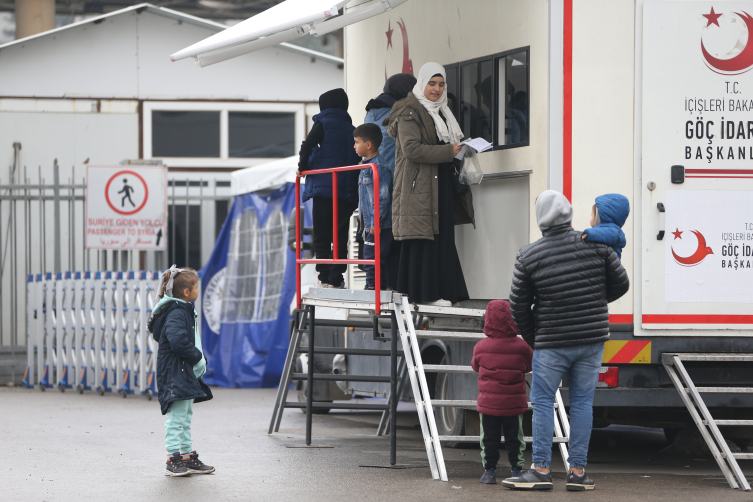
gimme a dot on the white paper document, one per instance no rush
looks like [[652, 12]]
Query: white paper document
[[478, 144]]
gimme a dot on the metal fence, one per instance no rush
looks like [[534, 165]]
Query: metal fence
[[42, 229]]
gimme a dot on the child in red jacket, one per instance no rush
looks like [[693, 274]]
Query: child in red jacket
[[501, 361]]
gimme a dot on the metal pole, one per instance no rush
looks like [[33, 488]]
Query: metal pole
[[86, 258], [14, 269], [43, 253], [394, 398], [185, 239], [2, 274], [72, 219], [310, 380], [56, 191], [27, 251], [172, 240]]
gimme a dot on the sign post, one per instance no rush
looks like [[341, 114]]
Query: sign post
[[126, 207]]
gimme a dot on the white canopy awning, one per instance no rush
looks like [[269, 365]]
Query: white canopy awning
[[265, 176], [286, 21]]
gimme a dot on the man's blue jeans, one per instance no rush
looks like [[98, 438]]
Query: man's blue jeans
[[549, 366]]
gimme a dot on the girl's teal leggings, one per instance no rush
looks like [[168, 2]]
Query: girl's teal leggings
[[178, 427]]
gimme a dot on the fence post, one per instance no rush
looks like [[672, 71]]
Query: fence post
[[56, 191]]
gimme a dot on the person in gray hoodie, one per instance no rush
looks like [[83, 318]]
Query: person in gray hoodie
[[559, 300]]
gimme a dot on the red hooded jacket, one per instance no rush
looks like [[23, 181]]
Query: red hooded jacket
[[501, 361]]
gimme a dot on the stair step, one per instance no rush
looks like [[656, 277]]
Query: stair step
[[451, 403], [328, 377], [743, 456], [714, 357], [731, 390], [459, 336], [340, 406], [476, 439], [447, 368], [733, 422]]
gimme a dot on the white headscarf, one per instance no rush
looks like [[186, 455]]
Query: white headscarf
[[450, 132]]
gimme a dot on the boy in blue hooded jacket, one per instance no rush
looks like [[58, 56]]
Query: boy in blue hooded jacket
[[607, 218]]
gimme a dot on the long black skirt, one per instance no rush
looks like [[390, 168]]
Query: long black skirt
[[430, 270]]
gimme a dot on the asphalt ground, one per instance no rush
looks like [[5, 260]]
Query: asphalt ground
[[60, 447]]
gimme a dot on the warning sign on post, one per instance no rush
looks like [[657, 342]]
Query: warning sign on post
[[126, 207]]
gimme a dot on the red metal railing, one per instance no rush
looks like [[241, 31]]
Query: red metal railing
[[335, 260]]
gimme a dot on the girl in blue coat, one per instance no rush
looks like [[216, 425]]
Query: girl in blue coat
[[180, 365]]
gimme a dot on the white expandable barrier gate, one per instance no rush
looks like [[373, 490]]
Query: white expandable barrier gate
[[87, 330]]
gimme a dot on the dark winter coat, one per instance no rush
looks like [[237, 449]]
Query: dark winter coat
[[333, 132], [415, 196], [174, 330], [501, 361], [561, 288], [613, 210]]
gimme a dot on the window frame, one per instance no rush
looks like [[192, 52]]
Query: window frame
[[224, 107], [495, 60], [495, 80]]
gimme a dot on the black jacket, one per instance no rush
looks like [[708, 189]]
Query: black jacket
[[174, 328], [561, 289]]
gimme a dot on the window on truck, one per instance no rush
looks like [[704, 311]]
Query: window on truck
[[490, 97]]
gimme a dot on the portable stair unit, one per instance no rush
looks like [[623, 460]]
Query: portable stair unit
[[401, 314], [707, 425]]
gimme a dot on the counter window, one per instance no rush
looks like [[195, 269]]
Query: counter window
[[490, 97]]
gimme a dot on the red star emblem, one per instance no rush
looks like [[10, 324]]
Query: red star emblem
[[677, 234], [389, 34], [712, 17]]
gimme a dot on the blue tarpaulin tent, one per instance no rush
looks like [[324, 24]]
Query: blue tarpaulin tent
[[248, 286]]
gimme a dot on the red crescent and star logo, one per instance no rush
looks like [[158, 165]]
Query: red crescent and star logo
[[701, 252], [407, 62], [740, 63]]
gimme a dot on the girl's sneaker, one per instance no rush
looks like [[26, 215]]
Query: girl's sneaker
[[175, 466], [489, 477], [196, 466]]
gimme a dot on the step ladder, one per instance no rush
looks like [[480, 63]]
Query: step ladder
[[411, 365], [305, 322], [707, 425]]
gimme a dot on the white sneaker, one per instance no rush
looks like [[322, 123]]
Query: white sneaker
[[439, 303]]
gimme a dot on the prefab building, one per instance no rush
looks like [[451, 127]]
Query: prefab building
[[104, 91]]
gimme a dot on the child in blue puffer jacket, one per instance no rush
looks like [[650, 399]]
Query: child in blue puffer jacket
[[607, 218]]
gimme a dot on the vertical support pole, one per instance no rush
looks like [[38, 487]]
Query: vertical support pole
[[377, 243], [188, 218], [394, 397], [172, 237], [56, 192], [310, 380], [72, 218], [297, 242], [335, 226]]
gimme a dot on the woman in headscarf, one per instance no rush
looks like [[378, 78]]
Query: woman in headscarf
[[423, 207]]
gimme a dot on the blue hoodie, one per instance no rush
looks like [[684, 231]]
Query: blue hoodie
[[613, 209]]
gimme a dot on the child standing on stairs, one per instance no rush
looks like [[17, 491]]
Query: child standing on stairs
[[180, 366], [501, 361]]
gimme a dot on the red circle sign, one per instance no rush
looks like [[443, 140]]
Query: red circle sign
[[107, 193]]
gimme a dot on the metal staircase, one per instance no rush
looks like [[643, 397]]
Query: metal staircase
[[707, 425], [401, 314]]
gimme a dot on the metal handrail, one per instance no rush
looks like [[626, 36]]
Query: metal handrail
[[377, 236]]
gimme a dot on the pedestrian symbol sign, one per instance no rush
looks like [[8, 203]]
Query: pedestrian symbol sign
[[126, 207]]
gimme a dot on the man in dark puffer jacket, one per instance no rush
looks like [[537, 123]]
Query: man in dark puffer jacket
[[559, 298]]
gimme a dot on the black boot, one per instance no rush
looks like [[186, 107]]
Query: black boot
[[175, 466], [196, 466]]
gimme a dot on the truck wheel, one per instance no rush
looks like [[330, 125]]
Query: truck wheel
[[450, 421]]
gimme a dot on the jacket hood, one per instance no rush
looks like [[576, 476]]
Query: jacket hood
[[337, 113], [552, 208], [408, 103], [498, 322], [336, 98], [613, 208]]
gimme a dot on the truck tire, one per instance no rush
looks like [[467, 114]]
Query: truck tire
[[450, 421]]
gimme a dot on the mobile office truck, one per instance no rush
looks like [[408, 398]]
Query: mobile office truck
[[648, 98]]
